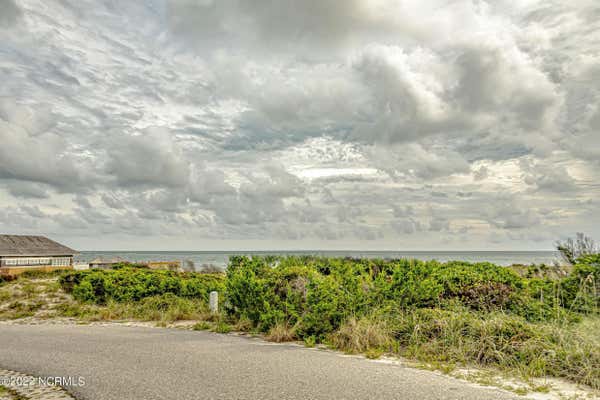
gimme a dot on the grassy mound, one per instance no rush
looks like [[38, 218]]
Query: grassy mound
[[455, 312]]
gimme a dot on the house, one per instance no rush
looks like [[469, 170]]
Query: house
[[20, 253], [167, 265], [106, 263], [109, 263]]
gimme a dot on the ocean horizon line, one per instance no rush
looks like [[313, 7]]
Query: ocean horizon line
[[317, 251], [221, 257]]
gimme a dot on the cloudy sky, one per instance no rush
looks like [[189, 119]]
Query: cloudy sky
[[232, 124]]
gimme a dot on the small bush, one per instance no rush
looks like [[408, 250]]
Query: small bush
[[373, 354], [310, 341], [222, 327], [84, 292]]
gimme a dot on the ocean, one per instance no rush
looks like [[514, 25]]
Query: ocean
[[220, 258]]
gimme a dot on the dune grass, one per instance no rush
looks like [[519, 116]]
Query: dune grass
[[281, 333], [507, 342], [41, 296], [363, 335], [164, 308]]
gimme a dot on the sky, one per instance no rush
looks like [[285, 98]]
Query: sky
[[313, 124]]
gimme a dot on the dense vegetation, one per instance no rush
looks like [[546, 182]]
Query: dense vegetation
[[452, 312], [317, 294], [133, 284], [526, 320]]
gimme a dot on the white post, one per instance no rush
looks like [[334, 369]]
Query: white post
[[214, 302]]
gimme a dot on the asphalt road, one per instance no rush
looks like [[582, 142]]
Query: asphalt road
[[120, 362]]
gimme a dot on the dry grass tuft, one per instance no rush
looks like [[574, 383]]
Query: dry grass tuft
[[281, 333], [242, 325], [360, 336]]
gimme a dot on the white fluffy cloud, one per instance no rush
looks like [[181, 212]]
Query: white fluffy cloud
[[404, 124]]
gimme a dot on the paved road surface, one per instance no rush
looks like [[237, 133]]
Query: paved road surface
[[120, 362]]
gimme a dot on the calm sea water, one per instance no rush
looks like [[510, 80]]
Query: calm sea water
[[220, 258]]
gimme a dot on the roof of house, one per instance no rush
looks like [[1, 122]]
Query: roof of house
[[25, 245]]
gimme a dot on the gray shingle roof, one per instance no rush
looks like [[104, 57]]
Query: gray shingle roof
[[25, 245]]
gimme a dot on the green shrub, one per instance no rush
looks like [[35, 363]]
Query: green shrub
[[317, 294], [249, 295], [84, 292], [310, 341], [324, 309], [135, 284], [68, 280]]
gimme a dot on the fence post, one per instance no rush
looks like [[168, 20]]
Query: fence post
[[214, 302]]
